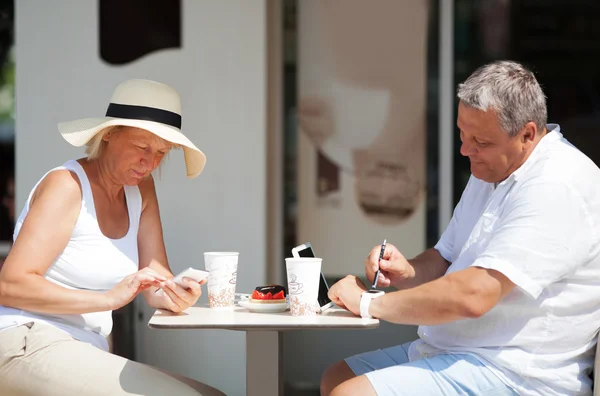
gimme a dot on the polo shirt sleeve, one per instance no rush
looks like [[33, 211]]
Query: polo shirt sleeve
[[445, 245], [544, 234]]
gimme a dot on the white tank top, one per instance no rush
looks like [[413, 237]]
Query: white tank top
[[90, 261]]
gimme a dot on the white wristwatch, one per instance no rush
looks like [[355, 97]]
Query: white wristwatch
[[365, 301]]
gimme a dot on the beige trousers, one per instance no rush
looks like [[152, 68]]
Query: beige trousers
[[38, 359]]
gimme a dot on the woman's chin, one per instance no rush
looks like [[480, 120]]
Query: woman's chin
[[133, 181]]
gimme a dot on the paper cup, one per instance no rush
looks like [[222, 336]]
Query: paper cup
[[222, 277], [303, 276]]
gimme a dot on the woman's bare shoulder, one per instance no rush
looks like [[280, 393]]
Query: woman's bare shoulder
[[59, 184], [147, 191], [147, 185]]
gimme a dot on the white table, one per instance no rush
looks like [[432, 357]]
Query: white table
[[263, 336]]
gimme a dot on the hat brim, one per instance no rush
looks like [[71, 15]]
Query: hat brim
[[79, 132]]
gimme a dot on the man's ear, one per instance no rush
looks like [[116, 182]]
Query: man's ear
[[529, 132]]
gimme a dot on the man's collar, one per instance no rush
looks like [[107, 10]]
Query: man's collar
[[552, 135]]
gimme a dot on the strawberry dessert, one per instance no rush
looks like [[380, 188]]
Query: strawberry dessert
[[268, 294]]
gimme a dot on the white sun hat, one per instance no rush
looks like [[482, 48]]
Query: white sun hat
[[143, 104]]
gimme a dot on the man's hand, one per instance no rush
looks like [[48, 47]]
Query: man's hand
[[346, 293], [394, 267]]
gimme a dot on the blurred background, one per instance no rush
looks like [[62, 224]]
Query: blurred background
[[323, 121]]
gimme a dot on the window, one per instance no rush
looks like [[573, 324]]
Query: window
[[7, 126]]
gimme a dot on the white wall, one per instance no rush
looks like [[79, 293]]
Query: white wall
[[220, 74]]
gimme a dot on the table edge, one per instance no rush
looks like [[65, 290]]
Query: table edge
[[163, 326]]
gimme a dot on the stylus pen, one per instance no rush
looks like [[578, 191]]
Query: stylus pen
[[380, 258]]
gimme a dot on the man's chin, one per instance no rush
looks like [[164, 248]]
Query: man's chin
[[478, 173]]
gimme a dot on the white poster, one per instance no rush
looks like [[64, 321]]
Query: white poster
[[362, 128]]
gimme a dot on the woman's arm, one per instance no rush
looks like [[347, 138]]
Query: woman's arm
[[152, 255], [53, 213], [151, 246]]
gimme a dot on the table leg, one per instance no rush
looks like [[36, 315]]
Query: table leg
[[263, 363]]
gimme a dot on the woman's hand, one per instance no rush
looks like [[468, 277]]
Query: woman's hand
[[126, 290], [177, 299]]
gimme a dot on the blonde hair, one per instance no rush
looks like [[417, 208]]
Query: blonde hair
[[95, 145]]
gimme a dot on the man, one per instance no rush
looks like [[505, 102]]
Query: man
[[508, 299]]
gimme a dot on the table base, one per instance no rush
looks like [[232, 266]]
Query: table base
[[264, 363]]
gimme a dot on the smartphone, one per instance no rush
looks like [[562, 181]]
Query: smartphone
[[305, 250], [192, 273]]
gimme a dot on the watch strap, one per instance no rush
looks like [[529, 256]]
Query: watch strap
[[365, 302]]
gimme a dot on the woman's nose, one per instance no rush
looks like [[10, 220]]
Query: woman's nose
[[146, 159]]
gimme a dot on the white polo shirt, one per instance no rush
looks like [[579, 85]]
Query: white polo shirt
[[541, 228]]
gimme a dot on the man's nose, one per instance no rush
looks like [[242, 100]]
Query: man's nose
[[466, 149]]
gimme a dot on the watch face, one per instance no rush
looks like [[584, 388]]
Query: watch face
[[374, 292]]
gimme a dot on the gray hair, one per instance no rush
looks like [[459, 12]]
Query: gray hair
[[511, 90]]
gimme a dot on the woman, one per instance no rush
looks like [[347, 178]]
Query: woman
[[87, 242]]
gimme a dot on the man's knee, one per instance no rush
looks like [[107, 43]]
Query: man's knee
[[335, 374]]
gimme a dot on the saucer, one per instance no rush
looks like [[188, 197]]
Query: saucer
[[270, 307]]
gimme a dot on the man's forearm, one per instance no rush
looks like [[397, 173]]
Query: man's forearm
[[465, 294], [427, 266], [444, 300]]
